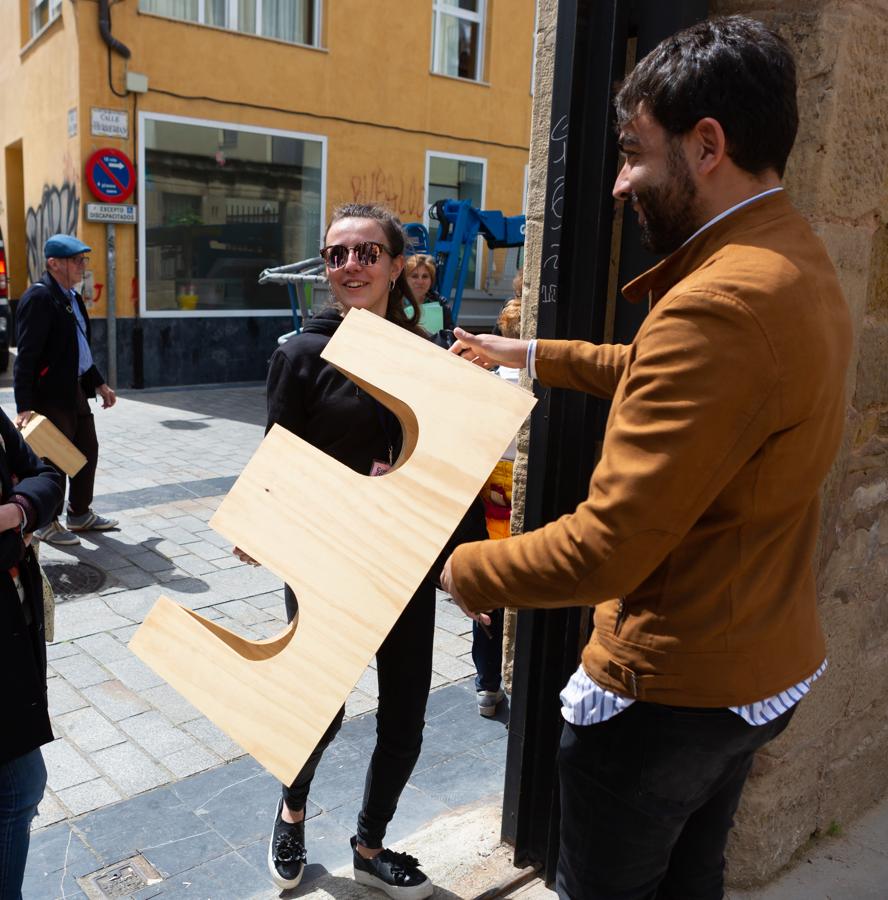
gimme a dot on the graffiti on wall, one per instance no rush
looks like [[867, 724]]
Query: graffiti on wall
[[402, 196], [57, 213]]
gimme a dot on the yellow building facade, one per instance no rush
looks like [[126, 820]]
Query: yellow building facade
[[247, 122]]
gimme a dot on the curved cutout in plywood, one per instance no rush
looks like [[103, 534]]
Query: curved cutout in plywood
[[353, 548]]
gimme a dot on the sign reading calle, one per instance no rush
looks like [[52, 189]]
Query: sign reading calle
[[109, 122]]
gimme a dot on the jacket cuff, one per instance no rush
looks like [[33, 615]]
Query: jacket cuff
[[91, 379], [466, 566], [22, 404], [29, 522]]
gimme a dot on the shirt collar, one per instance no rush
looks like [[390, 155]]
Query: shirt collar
[[653, 283], [733, 209]]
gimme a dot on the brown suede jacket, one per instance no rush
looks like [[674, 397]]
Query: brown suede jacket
[[695, 544]]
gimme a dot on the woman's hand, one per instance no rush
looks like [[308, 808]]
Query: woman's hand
[[11, 516], [488, 350], [245, 557]]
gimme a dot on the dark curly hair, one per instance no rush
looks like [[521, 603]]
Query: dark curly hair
[[733, 69], [396, 239]]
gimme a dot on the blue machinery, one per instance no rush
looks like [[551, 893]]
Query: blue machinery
[[459, 226]]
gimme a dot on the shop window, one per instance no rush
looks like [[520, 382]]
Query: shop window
[[42, 13], [295, 21], [451, 177], [220, 203], [458, 38]]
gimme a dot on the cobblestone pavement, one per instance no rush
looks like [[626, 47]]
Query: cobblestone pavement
[[166, 460]]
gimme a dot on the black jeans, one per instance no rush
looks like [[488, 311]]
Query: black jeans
[[648, 798], [487, 653], [79, 427], [404, 669]]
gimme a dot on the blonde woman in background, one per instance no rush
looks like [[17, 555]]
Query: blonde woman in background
[[421, 271]]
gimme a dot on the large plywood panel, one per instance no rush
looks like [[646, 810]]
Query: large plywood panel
[[353, 548]]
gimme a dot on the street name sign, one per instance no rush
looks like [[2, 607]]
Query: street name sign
[[109, 122]]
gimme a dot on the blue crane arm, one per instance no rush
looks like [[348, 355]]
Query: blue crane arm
[[459, 224]]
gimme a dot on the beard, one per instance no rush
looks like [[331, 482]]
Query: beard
[[669, 208]]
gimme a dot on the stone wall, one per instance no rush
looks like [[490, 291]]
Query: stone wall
[[536, 203], [831, 763]]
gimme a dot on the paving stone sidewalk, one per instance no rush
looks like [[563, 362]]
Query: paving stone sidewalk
[[206, 836], [166, 460]]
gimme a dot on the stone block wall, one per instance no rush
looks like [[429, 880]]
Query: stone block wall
[[536, 203], [831, 764]]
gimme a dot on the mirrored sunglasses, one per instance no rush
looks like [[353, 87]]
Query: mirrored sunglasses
[[367, 253]]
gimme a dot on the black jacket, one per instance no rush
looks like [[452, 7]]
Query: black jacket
[[314, 400], [45, 374], [22, 641], [318, 403]]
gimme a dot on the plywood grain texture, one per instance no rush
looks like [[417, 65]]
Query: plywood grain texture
[[48, 442], [353, 548]]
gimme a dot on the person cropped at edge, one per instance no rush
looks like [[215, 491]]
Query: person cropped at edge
[[30, 491], [696, 541], [55, 375], [487, 644], [308, 396]]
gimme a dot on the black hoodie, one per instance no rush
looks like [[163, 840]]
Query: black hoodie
[[318, 403]]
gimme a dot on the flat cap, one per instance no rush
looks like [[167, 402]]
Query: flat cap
[[62, 246]]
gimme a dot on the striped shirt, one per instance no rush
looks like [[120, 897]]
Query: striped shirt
[[584, 702]]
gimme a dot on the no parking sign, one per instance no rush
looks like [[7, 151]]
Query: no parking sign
[[110, 175]]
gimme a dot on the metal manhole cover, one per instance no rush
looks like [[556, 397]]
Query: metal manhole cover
[[123, 879], [71, 580]]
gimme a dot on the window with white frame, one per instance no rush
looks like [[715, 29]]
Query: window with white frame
[[220, 203], [295, 21], [458, 38], [451, 177], [42, 13]]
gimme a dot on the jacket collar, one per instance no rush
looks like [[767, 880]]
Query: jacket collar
[[654, 283], [57, 290]]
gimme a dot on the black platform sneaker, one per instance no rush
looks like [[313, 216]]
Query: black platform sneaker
[[395, 873], [286, 851]]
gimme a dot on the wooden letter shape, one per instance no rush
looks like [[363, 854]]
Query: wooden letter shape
[[353, 548], [47, 441]]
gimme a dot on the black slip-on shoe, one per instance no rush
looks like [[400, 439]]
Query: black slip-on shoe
[[286, 851], [397, 874]]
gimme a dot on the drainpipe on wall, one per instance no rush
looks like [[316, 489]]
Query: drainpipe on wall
[[110, 238], [105, 30]]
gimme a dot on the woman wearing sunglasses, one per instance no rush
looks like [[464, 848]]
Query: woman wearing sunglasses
[[363, 251]]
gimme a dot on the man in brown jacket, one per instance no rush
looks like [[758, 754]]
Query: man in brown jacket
[[695, 543]]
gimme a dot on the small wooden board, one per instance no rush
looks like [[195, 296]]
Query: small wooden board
[[353, 548], [48, 442]]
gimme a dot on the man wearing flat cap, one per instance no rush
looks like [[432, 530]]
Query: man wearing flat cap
[[55, 375]]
